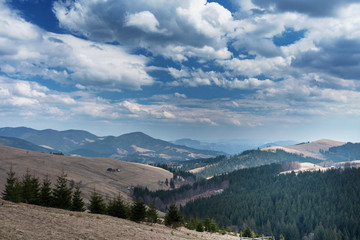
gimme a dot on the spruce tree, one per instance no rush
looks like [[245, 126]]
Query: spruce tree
[[207, 222], [30, 188], [247, 232], [97, 204], [62, 193], [77, 201], [152, 214], [117, 208], [172, 183], [172, 217], [213, 227], [138, 211], [46, 193], [191, 224], [199, 225], [13, 189]]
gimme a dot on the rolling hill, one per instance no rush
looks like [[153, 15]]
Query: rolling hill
[[139, 147], [314, 149], [91, 172], [23, 144], [63, 141], [324, 152], [135, 147]]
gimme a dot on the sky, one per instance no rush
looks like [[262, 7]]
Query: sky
[[207, 70]]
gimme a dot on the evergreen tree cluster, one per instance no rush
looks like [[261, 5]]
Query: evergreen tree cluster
[[200, 225], [30, 190], [137, 212]]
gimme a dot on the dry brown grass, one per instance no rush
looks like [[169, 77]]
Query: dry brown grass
[[90, 171], [311, 149], [22, 221]]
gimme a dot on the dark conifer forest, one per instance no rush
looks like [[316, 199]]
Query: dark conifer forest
[[310, 205]]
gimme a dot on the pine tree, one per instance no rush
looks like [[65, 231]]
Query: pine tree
[[207, 223], [117, 208], [30, 188], [97, 204], [213, 227], [138, 211], [247, 232], [62, 193], [46, 193], [172, 184], [152, 214], [191, 224], [77, 201], [13, 189], [199, 225], [173, 218]]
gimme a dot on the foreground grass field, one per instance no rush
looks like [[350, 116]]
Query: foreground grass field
[[30, 222]]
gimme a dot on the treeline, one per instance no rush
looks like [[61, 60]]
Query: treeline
[[348, 152], [180, 176], [63, 195], [197, 163], [310, 205], [163, 198], [30, 190], [247, 159]]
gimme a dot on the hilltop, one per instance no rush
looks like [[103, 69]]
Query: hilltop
[[91, 172], [314, 149]]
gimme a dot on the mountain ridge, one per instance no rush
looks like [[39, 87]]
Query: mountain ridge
[[135, 146], [140, 147]]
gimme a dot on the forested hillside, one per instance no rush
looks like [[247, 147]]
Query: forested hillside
[[324, 205], [251, 158], [348, 152]]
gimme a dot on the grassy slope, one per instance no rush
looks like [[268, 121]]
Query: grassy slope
[[90, 171], [22, 221]]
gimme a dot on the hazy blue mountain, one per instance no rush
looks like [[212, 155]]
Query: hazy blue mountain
[[279, 143], [64, 141], [139, 147], [23, 144], [228, 148]]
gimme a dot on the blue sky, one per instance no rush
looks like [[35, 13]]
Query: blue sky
[[208, 70]]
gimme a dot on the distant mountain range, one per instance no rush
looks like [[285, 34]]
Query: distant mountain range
[[64, 141], [323, 152], [229, 148], [135, 147]]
